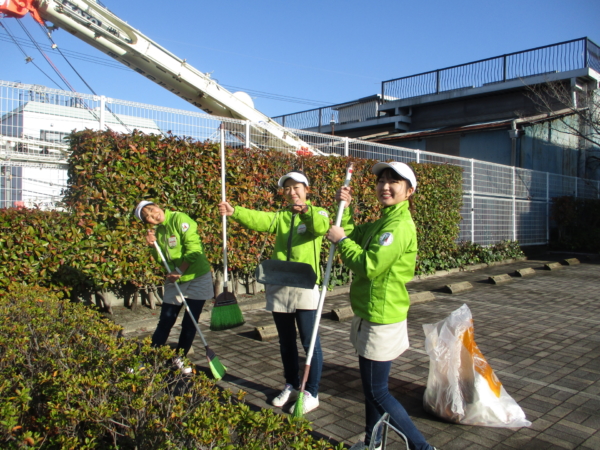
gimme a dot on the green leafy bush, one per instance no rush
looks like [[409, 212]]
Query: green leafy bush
[[577, 224], [109, 173], [67, 381], [469, 253], [98, 245]]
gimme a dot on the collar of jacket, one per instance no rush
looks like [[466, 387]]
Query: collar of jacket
[[397, 208]]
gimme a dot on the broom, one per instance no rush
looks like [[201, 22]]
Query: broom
[[226, 312], [299, 406], [218, 370]]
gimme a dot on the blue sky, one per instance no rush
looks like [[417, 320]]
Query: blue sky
[[319, 52]]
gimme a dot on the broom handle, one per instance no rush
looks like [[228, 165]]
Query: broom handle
[[313, 339], [162, 257], [224, 218]]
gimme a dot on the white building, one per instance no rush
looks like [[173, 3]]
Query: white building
[[33, 149]]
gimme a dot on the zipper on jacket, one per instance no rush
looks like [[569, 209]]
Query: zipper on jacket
[[289, 243]]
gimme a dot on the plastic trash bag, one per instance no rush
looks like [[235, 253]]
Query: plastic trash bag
[[462, 387]]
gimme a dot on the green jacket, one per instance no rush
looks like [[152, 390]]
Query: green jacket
[[382, 255], [307, 234], [178, 239]]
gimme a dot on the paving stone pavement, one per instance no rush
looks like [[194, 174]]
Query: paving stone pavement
[[540, 334]]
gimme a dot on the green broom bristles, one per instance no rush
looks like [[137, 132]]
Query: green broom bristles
[[299, 406], [218, 370], [226, 313]]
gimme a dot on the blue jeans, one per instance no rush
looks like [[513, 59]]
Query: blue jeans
[[378, 401], [286, 328], [168, 316]]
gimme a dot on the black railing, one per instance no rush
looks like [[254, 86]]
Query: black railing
[[312, 118], [561, 57]]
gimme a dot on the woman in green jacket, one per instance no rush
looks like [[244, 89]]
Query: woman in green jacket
[[299, 233], [382, 256], [177, 237]]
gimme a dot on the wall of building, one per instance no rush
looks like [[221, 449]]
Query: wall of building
[[549, 147], [492, 146]]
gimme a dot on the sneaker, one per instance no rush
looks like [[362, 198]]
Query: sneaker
[[179, 364], [308, 404], [360, 445], [288, 393]]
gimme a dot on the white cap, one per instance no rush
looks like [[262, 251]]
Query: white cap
[[400, 168], [296, 176], [138, 209]]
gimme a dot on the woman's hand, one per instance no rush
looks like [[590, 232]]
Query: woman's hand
[[173, 277], [344, 194], [335, 234], [225, 209], [299, 209], [150, 238]]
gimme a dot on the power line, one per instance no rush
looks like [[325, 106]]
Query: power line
[[54, 45], [109, 63], [46, 56], [49, 183], [81, 56], [28, 58], [41, 193]]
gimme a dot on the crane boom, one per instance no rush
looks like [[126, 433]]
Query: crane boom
[[96, 25]]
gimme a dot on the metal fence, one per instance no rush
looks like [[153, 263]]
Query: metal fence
[[561, 57], [499, 202]]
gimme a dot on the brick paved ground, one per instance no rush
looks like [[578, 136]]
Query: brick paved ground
[[541, 335]]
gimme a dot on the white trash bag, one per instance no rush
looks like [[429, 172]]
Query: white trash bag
[[462, 387]]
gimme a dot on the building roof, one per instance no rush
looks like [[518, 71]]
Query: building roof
[[492, 125]]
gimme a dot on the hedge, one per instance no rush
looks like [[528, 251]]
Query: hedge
[[109, 173], [98, 245], [576, 224], [68, 381]]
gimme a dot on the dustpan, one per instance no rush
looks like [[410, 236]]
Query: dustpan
[[286, 273]]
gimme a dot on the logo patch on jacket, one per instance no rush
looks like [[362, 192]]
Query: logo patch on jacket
[[185, 227], [324, 213], [386, 239], [173, 241], [302, 228]]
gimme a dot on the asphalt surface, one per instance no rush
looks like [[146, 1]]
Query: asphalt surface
[[540, 334]]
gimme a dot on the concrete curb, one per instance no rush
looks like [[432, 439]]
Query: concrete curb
[[421, 297], [266, 333], [342, 314], [500, 279], [525, 272], [458, 287]]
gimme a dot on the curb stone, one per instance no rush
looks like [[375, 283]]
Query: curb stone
[[524, 272], [455, 288], [500, 279]]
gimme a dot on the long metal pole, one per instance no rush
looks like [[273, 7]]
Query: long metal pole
[[514, 203], [162, 257], [315, 332], [472, 200], [224, 218]]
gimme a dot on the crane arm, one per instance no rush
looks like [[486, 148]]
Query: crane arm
[[96, 25]]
